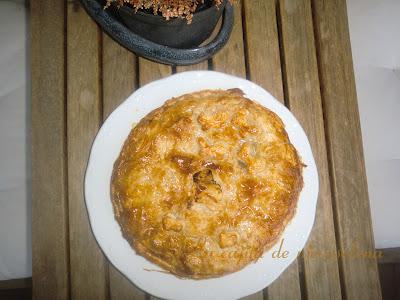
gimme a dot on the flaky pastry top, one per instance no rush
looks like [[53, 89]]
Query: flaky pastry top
[[206, 183]]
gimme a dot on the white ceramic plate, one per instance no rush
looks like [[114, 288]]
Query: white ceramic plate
[[105, 151]]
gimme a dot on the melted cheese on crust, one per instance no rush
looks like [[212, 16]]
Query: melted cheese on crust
[[206, 183]]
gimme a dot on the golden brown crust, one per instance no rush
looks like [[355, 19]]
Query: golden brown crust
[[206, 183]]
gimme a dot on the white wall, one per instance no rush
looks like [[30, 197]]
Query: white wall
[[15, 212], [375, 39]]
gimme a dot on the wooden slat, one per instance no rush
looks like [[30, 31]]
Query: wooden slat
[[200, 66], [121, 288], [231, 58], [119, 81], [119, 74], [256, 296], [149, 71], [264, 68], [287, 286], [303, 92], [49, 212], [348, 180], [88, 266], [263, 46]]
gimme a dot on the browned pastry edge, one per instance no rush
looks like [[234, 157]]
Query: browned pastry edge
[[144, 251]]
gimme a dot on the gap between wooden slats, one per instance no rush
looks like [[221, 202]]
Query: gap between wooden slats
[[87, 263], [50, 241], [119, 81], [359, 276], [303, 95]]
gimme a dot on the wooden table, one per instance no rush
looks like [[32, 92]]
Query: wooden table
[[299, 50]]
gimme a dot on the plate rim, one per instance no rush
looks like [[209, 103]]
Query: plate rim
[[137, 93]]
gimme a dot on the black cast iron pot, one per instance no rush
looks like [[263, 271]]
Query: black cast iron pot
[[111, 22], [174, 32]]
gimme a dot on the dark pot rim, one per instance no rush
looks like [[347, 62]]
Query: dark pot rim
[[148, 17], [153, 51]]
